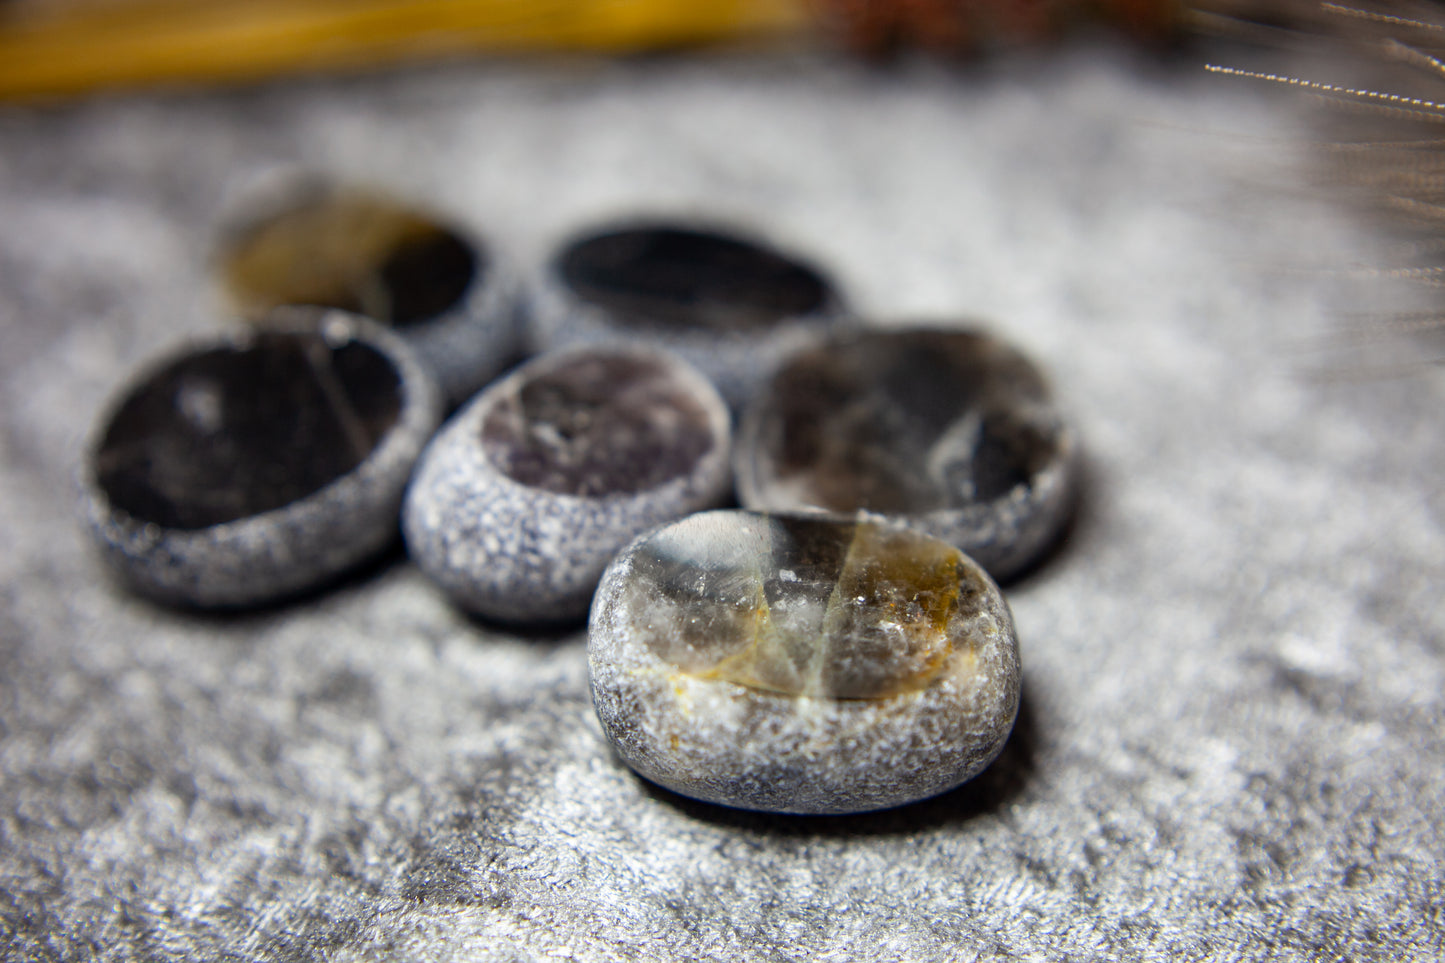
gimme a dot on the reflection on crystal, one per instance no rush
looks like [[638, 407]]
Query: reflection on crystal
[[803, 606]]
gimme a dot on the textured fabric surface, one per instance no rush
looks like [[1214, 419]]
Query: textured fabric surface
[[1231, 739]]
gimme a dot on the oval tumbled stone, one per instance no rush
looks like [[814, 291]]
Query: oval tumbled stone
[[953, 431], [259, 464], [444, 292], [525, 495], [729, 304], [801, 663]]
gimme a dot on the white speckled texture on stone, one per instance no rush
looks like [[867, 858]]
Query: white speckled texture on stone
[[469, 345], [1230, 742], [516, 552]]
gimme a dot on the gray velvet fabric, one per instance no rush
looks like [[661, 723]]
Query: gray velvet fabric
[[1231, 740]]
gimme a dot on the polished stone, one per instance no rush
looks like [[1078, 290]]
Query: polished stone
[[651, 277], [241, 429], [801, 663], [953, 430], [598, 424], [352, 251], [523, 498], [318, 244], [259, 464], [729, 304]]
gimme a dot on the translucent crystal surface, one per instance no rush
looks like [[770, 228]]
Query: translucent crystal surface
[[804, 606]]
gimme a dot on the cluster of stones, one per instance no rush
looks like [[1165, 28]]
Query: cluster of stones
[[841, 646]]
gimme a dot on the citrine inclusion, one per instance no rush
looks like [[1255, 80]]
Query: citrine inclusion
[[804, 606], [354, 251]]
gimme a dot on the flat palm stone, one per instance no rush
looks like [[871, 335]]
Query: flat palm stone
[[954, 431], [801, 663], [442, 290], [657, 276], [234, 431], [731, 305], [350, 250], [260, 464], [524, 497]]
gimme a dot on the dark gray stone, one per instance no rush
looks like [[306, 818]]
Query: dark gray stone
[[259, 464], [446, 293], [953, 431], [729, 304], [801, 664], [530, 490]]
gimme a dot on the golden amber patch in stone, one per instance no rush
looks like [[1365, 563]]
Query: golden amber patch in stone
[[803, 606], [349, 250]]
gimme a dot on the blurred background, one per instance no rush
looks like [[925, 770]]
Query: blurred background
[[50, 47]]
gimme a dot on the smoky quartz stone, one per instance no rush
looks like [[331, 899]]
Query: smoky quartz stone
[[444, 292], [800, 663], [529, 491], [729, 304], [260, 464], [954, 431]]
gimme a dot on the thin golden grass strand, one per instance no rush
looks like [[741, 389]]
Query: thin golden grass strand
[[1432, 274], [1415, 207], [1384, 18], [1371, 146], [1415, 57], [1400, 101]]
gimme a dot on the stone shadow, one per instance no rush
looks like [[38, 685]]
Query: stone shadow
[[229, 618]]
